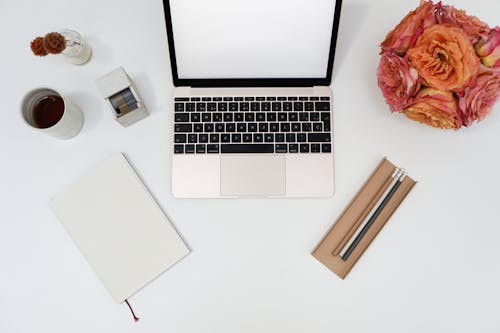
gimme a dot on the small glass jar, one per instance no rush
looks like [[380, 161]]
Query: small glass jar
[[77, 49]]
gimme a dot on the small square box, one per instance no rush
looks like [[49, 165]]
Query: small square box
[[122, 97]]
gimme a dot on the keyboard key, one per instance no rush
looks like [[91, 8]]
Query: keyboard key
[[263, 127], [190, 107], [195, 117], [282, 116], [296, 127], [274, 127], [292, 98], [198, 128], [303, 98], [217, 99], [293, 148], [203, 138], [230, 127], [314, 116], [219, 127], [206, 99], [281, 98], [326, 126], [183, 128], [247, 137], [225, 137], [260, 116], [293, 116], [318, 127], [309, 106], [271, 116], [222, 106], [193, 138], [249, 99], [212, 107], [287, 106], [290, 137], [213, 149], [245, 106], [271, 98], [298, 106], [217, 117], [258, 137], [266, 106], [252, 127], [181, 117], [306, 127], [236, 137], [179, 149], [209, 128], [325, 116], [315, 148], [281, 148], [182, 99], [228, 99], [238, 99], [238, 116], [255, 106], [214, 138], [200, 107], [304, 148], [301, 137], [319, 137], [304, 116], [180, 138], [189, 149], [247, 148], [250, 116], [260, 98], [269, 137], [179, 107], [241, 127], [206, 117], [276, 106], [322, 106], [325, 98], [285, 127], [228, 117], [314, 98], [233, 106], [326, 148], [195, 99], [279, 137], [200, 149]]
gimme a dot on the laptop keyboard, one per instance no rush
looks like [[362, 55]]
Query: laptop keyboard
[[214, 125]]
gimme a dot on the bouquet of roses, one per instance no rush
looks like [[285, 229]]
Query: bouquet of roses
[[441, 67]]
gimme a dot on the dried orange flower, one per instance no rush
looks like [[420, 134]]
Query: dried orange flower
[[37, 47], [54, 42]]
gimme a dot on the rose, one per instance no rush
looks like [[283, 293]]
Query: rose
[[398, 81], [444, 58], [435, 108], [407, 31], [489, 49], [471, 25], [477, 100]]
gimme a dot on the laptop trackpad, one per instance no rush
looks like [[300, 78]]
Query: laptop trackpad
[[254, 175]]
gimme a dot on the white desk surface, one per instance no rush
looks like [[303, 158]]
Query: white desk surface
[[434, 267]]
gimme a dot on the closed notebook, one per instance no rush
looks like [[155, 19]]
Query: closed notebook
[[118, 227]]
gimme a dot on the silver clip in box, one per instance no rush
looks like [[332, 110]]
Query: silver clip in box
[[122, 98]]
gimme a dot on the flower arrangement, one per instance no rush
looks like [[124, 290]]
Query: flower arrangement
[[53, 43], [68, 43], [441, 67]]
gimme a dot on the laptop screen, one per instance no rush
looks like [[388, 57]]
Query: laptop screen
[[253, 39]]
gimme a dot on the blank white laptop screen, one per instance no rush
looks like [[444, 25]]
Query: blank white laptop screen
[[231, 39]]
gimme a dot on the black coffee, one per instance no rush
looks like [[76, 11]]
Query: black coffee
[[48, 111]]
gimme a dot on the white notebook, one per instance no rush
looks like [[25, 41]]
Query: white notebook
[[118, 227]]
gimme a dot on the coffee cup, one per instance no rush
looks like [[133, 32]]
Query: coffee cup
[[47, 111]]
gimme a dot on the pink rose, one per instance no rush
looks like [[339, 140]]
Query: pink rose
[[435, 108], [406, 33], [488, 49], [398, 81], [477, 100], [471, 25]]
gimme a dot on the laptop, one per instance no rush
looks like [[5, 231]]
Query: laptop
[[253, 110]]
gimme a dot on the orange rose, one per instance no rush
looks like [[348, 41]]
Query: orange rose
[[444, 58], [406, 33], [435, 108], [471, 25]]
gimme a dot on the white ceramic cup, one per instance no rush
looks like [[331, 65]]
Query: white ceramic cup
[[69, 125]]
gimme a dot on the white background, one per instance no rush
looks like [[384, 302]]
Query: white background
[[433, 268]]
